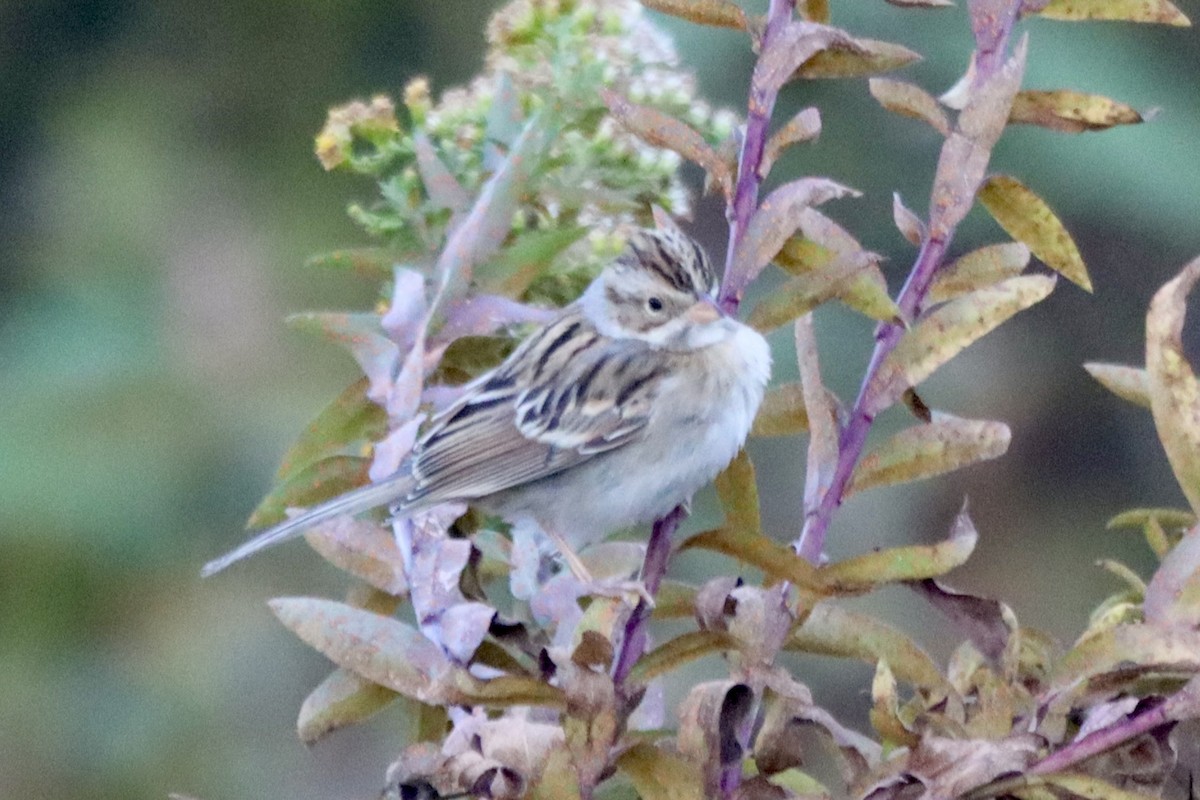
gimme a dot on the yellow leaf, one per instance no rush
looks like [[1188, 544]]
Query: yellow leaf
[[948, 330], [804, 293], [778, 561], [1159, 11], [922, 451], [1174, 390], [1071, 112], [978, 269], [862, 57], [658, 774], [1028, 219], [782, 412]]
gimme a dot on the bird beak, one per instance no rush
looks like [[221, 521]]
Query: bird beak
[[704, 312]]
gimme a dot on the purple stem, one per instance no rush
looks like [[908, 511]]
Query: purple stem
[[1105, 739], [654, 567], [745, 195], [992, 21]]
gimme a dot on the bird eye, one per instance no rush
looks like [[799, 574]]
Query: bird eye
[[654, 304]]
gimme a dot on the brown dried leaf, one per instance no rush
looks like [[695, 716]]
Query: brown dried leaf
[[718, 13], [792, 47], [1028, 219], [922, 451], [885, 709], [908, 223], [978, 269], [946, 331], [966, 152], [803, 127], [363, 548], [1127, 383], [1123, 654], [713, 719], [952, 767], [987, 624], [857, 58], [782, 412], [824, 429], [1156, 11], [1071, 112], [659, 130], [1174, 389], [776, 220], [910, 100], [1090, 787]]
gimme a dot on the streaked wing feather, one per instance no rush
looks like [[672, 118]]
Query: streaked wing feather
[[498, 437]]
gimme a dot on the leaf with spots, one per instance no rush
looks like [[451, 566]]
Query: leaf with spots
[[978, 269], [923, 451], [909, 100], [1155, 11], [1127, 383], [1027, 218], [1071, 112], [320, 480]]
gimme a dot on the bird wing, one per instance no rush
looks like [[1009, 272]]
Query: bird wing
[[563, 397]]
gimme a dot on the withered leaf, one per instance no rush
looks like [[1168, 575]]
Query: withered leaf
[[923, 3], [658, 774], [909, 224], [1125, 652], [799, 42], [363, 335], [1156, 11], [1127, 383], [885, 708], [857, 58], [803, 293], [363, 548], [660, 130], [803, 127], [977, 269], [343, 698], [1173, 595], [777, 218], [1071, 112], [718, 13], [711, 720], [946, 331], [824, 428], [910, 100], [922, 451], [778, 561], [987, 624], [966, 152], [1174, 389], [1028, 219]]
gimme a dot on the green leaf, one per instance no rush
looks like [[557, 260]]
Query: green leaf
[[1071, 112], [348, 422], [318, 481], [1157, 11], [374, 263], [1174, 389], [777, 561], [659, 774], [914, 562], [442, 187], [948, 330], [504, 117], [782, 412], [1127, 383], [909, 100], [1028, 219], [922, 451], [676, 652], [341, 700], [831, 630], [803, 293], [978, 269]]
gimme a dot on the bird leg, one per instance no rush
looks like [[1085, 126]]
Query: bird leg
[[605, 587]]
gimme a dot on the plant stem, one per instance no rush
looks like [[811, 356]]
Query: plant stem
[[992, 21], [654, 567], [745, 196]]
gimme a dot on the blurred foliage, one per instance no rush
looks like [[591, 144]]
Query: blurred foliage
[[158, 197]]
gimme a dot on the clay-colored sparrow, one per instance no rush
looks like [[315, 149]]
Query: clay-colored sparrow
[[634, 397]]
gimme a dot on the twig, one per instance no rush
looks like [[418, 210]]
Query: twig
[[992, 32]]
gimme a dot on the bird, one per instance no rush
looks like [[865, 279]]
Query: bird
[[609, 415]]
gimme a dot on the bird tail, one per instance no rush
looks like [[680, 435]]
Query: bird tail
[[353, 502]]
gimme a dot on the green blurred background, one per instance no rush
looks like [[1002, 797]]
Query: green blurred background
[[158, 197]]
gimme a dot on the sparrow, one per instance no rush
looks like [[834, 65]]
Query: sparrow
[[610, 415]]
